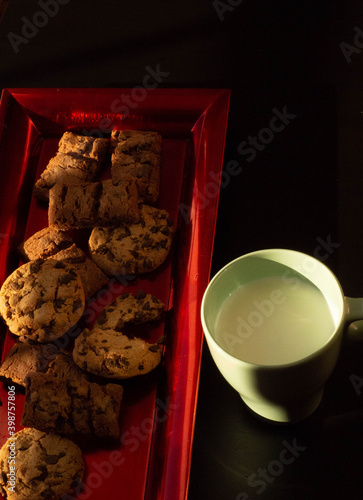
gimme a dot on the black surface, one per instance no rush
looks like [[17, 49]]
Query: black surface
[[302, 191]]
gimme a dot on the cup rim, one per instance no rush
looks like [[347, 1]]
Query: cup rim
[[261, 366]]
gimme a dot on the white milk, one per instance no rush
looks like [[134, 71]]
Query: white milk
[[274, 321]]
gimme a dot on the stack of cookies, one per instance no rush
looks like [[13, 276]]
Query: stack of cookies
[[78, 159], [71, 392]]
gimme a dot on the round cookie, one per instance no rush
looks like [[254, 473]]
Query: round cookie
[[111, 354], [42, 300], [35, 465], [133, 248], [129, 308]]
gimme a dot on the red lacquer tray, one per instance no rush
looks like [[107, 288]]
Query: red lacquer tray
[[151, 461]]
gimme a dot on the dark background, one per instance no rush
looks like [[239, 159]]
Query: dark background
[[303, 188]]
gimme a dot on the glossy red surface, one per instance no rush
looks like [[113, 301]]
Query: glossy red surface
[[152, 459]]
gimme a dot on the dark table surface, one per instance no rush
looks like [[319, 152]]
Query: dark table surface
[[300, 187]]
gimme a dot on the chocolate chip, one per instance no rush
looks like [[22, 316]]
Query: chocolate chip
[[77, 304], [51, 459], [154, 348], [147, 241], [64, 279], [139, 317], [34, 267], [49, 328], [140, 295], [123, 362], [16, 285], [39, 303], [165, 230], [101, 320], [110, 256], [76, 260], [124, 232], [102, 250], [59, 303], [44, 473], [59, 265], [148, 264]]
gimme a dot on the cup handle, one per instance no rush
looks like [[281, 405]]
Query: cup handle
[[354, 309], [354, 319]]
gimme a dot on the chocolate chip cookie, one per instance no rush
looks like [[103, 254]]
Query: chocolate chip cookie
[[42, 300], [137, 154], [92, 277], [44, 244], [65, 402], [83, 145], [62, 367], [133, 248], [51, 243], [78, 159], [65, 169], [129, 308], [93, 204], [20, 360], [35, 465], [111, 354]]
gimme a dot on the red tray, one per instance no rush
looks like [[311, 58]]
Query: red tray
[[151, 461]]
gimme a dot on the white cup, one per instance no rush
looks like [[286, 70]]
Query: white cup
[[290, 391]]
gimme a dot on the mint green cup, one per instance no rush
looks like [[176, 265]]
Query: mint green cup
[[289, 391]]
